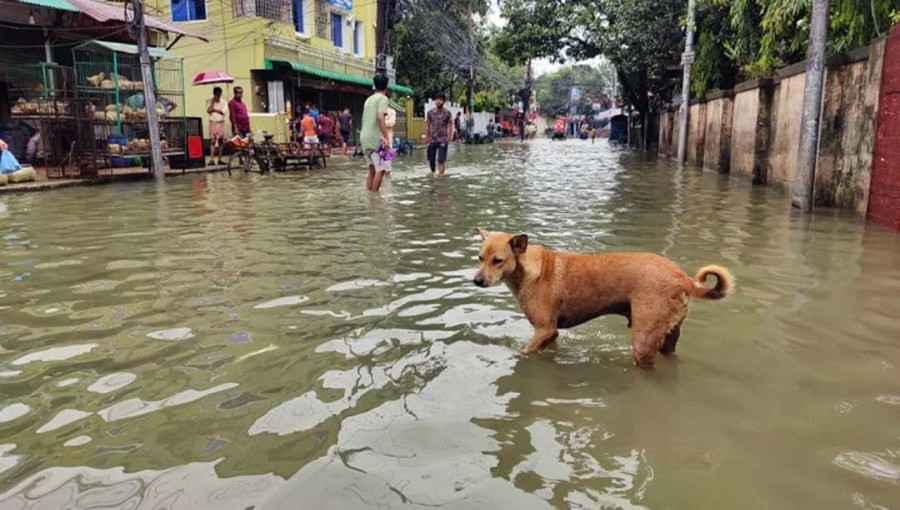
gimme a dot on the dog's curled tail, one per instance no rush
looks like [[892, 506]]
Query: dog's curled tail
[[724, 283]]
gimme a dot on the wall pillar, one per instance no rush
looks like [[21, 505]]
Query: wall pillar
[[884, 189]]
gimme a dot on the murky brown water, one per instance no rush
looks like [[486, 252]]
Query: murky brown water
[[291, 341]]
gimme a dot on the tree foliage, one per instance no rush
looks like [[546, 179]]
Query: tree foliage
[[745, 39], [639, 37], [435, 41], [735, 39], [552, 90]]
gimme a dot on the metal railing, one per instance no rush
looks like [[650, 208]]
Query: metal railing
[[282, 49]]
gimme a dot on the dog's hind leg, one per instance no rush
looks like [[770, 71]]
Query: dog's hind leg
[[656, 326], [678, 313], [668, 346]]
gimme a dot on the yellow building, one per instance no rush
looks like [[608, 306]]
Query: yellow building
[[281, 52]]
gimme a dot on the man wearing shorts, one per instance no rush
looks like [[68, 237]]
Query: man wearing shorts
[[308, 128], [346, 122], [215, 107], [373, 133], [438, 132]]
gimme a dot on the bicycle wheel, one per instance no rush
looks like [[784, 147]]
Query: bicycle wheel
[[242, 160], [262, 162]]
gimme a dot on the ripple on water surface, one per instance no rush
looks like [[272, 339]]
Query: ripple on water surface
[[255, 341]]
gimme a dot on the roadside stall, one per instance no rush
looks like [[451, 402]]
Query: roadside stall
[[44, 101], [113, 114]]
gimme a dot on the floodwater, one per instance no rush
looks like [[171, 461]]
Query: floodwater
[[291, 341]]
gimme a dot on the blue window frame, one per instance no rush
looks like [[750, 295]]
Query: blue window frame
[[188, 10], [298, 16], [356, 28], [337, 30]]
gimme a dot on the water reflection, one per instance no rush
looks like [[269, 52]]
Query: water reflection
[[194, 485], [264, 340]]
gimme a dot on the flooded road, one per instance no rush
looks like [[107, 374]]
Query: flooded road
[[292, 341]]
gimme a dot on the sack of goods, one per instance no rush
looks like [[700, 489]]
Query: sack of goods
[[236, 142]]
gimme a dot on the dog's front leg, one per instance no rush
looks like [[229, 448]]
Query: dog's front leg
[[542, 337]]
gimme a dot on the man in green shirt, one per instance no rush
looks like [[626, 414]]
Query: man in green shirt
[[373, 131]]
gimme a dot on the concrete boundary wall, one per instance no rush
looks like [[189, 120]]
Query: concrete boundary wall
[[754, 129]]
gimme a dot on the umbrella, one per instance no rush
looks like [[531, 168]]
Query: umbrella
[[210, 77]]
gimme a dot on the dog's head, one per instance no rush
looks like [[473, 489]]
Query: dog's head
[[498, 257]]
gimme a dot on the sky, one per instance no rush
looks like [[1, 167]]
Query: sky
[[544, 66]]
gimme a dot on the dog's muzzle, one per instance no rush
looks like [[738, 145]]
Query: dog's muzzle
[[479, 281]]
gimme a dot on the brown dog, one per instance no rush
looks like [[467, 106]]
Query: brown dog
[[562, 290]]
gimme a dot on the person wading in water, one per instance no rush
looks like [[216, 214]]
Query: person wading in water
[[438, 132]]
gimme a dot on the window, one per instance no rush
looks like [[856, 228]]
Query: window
[[299, 16], [337, 30], [276, 102], [188, 10], [359, 39]]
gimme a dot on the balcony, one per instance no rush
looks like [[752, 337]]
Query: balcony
[[336, 60]]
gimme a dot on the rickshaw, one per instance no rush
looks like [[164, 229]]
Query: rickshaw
[[618, 130]]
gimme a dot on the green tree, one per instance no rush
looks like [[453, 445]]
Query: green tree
[[641, 38], [714, 67], [552, 90], [435, 42], [768, 34]]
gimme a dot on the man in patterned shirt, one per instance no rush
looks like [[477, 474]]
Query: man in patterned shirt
[[438, 132]]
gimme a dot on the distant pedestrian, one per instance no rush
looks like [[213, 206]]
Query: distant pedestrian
[[313, 111], [308, 129], [326, 129], [215, 107], [237, 112], [438, 132], [346, 123], [374, 132], [457, 127]]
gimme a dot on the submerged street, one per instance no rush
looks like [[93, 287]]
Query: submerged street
[[270, 340]]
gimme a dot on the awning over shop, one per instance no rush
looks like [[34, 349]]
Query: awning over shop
[[62, 5], [129, 48], [334, 75]]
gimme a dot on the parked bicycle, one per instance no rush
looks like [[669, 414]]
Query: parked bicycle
[[249, 156]]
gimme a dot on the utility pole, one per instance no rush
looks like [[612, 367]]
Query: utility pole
[[381, 36], [470, 83], [156, 159], [687, 61], [805, 177], [527, 92]]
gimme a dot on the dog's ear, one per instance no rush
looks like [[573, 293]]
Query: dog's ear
[[483, 233], [519, 243]]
